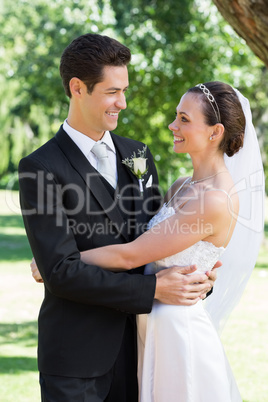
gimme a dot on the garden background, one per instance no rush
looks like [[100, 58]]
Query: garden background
[[175, 44]]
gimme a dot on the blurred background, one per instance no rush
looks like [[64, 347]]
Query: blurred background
[[175, 45]]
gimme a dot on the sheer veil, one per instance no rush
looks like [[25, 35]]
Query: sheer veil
[[241, 254]]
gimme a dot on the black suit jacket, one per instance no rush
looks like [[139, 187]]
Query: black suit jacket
[[67, 208]]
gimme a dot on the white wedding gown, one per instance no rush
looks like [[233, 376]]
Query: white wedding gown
[[181, 358]]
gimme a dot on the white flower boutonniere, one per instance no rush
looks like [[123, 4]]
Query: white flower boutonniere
[[137, 165]]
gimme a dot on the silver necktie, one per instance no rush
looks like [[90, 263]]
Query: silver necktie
[[104, 166]]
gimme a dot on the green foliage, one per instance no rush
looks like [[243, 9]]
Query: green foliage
[[174, 48], [34, 34], [174, 44]]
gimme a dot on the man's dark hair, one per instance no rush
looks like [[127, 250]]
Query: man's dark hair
[[87, 55]]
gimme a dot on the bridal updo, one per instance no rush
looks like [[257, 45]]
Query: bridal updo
[[230, 114]]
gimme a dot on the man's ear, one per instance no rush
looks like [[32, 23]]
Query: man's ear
[[76, 86]]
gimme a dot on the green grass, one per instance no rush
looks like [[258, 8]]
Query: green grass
[[244, 338], [19, 305], [20, 299]]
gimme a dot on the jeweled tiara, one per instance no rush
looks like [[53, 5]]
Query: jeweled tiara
[[211, 99]]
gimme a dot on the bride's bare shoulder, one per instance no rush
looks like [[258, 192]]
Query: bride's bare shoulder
[[173, 188]]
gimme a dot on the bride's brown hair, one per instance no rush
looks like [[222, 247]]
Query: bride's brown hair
[[231, 114]]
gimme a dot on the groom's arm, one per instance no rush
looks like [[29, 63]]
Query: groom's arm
[[189, 291]]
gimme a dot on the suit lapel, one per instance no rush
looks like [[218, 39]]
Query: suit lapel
[[127, 177], [92, 179]]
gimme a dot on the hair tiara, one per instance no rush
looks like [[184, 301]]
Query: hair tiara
[[211, 99]]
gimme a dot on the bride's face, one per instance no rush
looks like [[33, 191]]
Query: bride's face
[[191, 133]]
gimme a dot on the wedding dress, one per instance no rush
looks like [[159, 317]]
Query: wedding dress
[[181, 357]]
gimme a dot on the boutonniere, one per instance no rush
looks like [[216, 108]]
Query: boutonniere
[[137, 165]]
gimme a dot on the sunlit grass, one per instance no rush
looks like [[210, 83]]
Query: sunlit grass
[[20, 299], [245, 339], [245, 336]]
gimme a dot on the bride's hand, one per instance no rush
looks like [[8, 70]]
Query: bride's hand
[[212, 275], [35, 272]]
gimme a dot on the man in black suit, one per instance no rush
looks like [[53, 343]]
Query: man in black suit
[[87, 340]]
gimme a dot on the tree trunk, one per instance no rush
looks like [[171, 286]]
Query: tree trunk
[[249, 18]]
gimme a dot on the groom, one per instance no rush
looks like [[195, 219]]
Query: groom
[[87, 340]]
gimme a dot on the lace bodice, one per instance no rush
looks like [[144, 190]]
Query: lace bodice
[[202, 253]]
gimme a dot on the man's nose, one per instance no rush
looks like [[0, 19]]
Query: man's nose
[[121, 102]]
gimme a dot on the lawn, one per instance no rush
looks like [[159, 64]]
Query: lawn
[[245, 335]]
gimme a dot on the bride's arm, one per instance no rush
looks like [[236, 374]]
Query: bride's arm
[[189, 225]]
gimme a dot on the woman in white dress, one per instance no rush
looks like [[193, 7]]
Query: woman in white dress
[[181, 357]]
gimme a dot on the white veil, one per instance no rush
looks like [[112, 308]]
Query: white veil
[[241, 254]]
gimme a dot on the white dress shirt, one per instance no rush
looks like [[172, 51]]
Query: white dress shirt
[[85, 144]]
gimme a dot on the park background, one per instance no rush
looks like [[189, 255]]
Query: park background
[[175, 45]]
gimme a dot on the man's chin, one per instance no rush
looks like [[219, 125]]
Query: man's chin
[[111, 127]]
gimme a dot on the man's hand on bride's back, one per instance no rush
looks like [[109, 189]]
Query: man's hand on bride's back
[[35, 272], [174, 286], [212, 275]]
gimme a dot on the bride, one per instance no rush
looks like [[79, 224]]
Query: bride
[[215, 214]]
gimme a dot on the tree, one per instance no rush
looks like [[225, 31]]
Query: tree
[[249, 18], [33, 36], [173, 49]]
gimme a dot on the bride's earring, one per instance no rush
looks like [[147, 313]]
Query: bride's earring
[[212, 136]]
